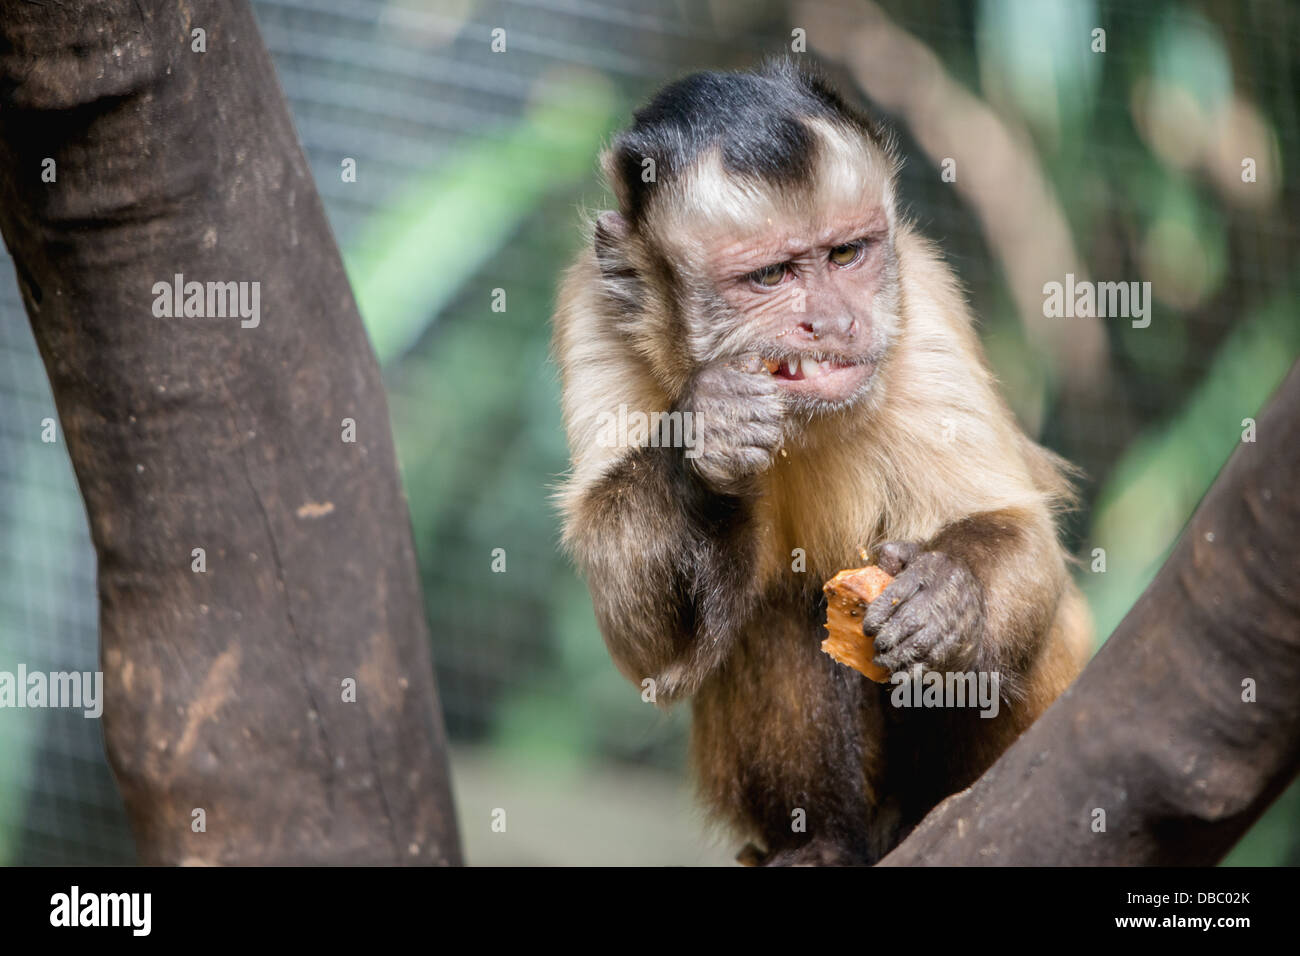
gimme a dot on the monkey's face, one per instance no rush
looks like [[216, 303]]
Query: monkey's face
[[805, 296], [802, 275]]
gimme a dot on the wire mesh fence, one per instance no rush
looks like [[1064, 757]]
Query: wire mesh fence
[[413, 94]]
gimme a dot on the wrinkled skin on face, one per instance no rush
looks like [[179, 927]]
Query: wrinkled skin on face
[[806, 296]]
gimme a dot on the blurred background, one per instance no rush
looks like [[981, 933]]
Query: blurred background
[[1119, 156]]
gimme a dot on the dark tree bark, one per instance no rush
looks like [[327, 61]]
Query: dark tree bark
[[1155, 732], [223, 688]]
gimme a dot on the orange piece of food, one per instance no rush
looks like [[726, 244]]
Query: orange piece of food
[[847, 597]]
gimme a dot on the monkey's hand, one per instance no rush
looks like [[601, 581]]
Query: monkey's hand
[[931, 614], [739, 422]]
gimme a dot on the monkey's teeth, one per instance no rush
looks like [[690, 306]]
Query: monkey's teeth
[[812, 369], [793, 365]]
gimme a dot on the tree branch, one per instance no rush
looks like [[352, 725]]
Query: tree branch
[[223, 687], [1155, 731]]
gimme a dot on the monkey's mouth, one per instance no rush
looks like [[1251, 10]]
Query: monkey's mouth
[[831, 379]]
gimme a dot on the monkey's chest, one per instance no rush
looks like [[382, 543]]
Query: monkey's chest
[[779, 697], [783, 727]]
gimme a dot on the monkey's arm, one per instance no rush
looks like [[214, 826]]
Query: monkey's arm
[[980, 595], [667, 544], [669, 563]]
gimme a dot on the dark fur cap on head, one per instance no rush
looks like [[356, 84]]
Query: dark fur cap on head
[[755, 118]]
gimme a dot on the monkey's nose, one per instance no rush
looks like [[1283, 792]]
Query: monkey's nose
[[846, 326]]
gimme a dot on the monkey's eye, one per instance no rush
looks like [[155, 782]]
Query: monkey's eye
[[769, 276], [846, 254]]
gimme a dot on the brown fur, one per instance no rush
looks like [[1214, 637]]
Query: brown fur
[[697, 591]]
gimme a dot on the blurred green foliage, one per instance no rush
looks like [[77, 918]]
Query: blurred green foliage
[[459, 213], [475, 402], [1156, 484], [1130, 141]]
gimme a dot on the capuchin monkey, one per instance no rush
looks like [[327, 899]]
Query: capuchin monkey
[[759, 276]]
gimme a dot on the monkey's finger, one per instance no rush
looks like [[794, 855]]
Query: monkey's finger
[[735, 463], [764, 434], [907, 619], [757, 452], [894, 644], [745, 384], [749, 363], [742, 389], [888, 602], [878, 614], [894, 556], [929, 645], [762, 407], [744, 435]]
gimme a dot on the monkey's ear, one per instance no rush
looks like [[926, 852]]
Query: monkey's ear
[[609, 167], [611, 242]]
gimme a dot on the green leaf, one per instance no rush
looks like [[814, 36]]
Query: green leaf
[[417, 251]]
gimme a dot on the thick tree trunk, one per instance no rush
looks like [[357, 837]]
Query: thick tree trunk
[[1187, 723], [225, 688]]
